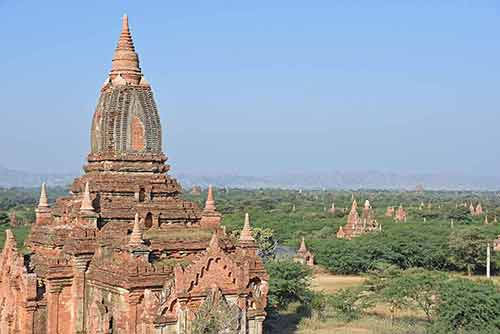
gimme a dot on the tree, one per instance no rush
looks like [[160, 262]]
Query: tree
[[468, 307], [265, 240], [468, 248], [289, 282], [317, 305], [264, 237], [414, 287], [350, 304], [381, 284], [461, 214], [421, 289], [4, 218]]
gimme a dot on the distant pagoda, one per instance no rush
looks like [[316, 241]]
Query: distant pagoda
[[357, 225], [401, 214], [304, 255]]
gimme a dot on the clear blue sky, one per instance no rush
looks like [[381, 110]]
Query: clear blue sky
[[261, 87]]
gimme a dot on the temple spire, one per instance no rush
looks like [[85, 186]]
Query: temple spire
[[125, 65], [210, 217], [43, 202], [210, 203], [125, 41], [246, 232], [86, 200], [43, 211], [303, 247], [354, 205], [136, 238]]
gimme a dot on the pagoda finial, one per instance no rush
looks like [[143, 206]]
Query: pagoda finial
[[86, 201], [43, 202], [341, 233], [367, 204], [136, 238], [125, 22], [354, 205], [210, 203], [210, 217], [125, 62], [246, 232], [303, 247]]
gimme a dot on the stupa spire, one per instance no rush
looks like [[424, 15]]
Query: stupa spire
[[125, 65], [341, 233], [354, 205], [86, 200], [136, 238], [43, 202], [303, 247], [210, 217], [210, 203], [246, 232], [125, 41]]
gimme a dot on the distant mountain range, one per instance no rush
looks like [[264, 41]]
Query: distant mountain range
[[304, 180], [347, 180], [15, 178]]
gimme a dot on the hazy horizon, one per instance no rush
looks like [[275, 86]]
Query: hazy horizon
[[258, 89]]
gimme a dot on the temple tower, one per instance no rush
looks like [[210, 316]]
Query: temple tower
[[123, 253]]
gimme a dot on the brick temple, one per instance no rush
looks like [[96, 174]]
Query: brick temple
[[304, 255], [357, 225], [124, 253]]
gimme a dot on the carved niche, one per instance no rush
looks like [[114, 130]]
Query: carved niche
[[137, 141]]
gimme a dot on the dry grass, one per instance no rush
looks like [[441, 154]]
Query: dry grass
[[330, 283], [383, 311], [376, 322], [367, 325], [292, 322]]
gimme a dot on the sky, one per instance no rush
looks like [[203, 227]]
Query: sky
[[263, 87]]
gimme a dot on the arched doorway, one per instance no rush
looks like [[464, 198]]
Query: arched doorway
[[148, 221]]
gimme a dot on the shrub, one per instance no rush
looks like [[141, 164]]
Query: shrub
[[289, 282], [350, 304], [318, 304], [468, 307]]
